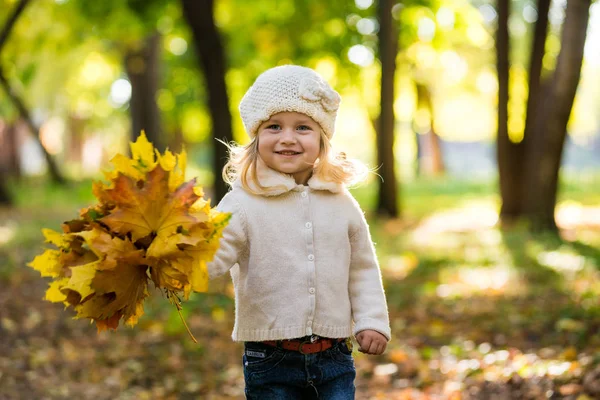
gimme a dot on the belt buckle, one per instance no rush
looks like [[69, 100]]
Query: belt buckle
[[311, 340], [308, 341]]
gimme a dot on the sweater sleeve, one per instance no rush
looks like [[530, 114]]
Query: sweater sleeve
[[234, 239], [369, 307]]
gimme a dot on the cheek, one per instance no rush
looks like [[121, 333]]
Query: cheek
[[313, 147], [264, 145]]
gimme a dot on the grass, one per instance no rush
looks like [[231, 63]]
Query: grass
[[459, 290]]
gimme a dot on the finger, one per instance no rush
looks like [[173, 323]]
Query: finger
[[380, 348], [377, 349], [366, 343], [373, 347], [359, 337], [383, 347]]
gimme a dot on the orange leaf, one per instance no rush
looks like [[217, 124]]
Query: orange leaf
[[151, 209]]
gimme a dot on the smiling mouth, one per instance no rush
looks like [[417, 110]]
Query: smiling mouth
[[288, 153]]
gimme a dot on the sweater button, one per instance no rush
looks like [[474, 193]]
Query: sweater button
[[303, 194], [311, 257], [308, 225], [311, 290]]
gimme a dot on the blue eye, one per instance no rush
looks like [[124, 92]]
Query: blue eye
[[304, 128], [273, 126]]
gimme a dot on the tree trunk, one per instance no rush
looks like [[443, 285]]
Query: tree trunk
[[13, 144], [508, 153], [199, 15], [549, 131], [535, 66], [529, 170], [76, 138], [16, 100], [176, 141], [5, 198], [7, 137], [430, 157], [9, 150], [142, 66], [388, 48]]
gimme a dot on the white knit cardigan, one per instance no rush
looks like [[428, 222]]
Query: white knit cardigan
[[302, 261]]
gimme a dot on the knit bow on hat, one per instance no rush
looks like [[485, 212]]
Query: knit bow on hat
[[313, 90]]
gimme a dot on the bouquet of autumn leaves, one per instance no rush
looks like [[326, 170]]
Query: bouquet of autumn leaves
[[149, 225]]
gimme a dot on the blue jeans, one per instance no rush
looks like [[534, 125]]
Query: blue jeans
[[272, 373]]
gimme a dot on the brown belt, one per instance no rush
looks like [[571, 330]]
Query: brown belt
[[304, 346]]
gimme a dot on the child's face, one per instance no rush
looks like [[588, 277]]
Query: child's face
[[290, 142]]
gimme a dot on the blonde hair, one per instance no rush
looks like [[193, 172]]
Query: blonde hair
[[331, 166]]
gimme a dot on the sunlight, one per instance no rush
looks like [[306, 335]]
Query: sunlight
[[570, 214], [353, 128], [530, 13], [488, 13], [465, 117], [51, 135], [385, 369], [467, 282], [327, 67], [363, 4], [361, 55], [399, 266], [456, 67], [95, 71], [556, 15], [367, 26], [426, 29], [487, 82], [425, 55], [478, 35], [561, 261], [445, 17], [92, 153], [485, 278], [6, 234], [120, 92], [592, 42], [177, 46], [472, 216]]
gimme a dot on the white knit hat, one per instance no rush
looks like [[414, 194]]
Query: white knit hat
[[290, 88]]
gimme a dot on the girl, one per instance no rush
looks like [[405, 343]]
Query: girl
[[301, 258]]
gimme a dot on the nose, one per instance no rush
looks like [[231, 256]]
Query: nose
[[288, 136]]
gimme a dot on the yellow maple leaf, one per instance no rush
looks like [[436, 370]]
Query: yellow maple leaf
[[81, 280], [111, 250], [56, 238], [139, 311], [177, 175], [167, 161], [172, 274], [117, 292], [175, 165], [142, 153], [199, 278], [53, 292], [136, 167], [47, 263]]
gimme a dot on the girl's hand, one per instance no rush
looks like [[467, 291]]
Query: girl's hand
[[371, 342]]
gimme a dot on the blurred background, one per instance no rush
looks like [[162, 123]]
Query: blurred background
[[481, 118]]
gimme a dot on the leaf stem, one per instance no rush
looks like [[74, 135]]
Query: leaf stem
[[176, 301], [186, 326]]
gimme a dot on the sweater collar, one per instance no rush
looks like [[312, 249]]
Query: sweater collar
[[277, 183]]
